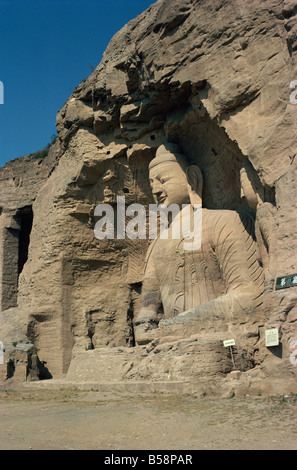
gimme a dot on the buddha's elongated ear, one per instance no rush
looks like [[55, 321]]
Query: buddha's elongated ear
[[195, 184]]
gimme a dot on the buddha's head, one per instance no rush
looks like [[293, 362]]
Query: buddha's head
[[173, 180]]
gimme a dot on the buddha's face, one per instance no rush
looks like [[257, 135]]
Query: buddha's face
[[169, 184]]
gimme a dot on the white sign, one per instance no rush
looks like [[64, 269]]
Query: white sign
[[271, 337], [229, 342], [293, 95]]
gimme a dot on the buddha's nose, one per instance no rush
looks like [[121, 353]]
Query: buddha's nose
[[157, 188]]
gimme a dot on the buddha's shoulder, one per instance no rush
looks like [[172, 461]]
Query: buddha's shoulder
[[227, 216]]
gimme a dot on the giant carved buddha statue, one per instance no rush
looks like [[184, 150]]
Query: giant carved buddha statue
[[222, 278]]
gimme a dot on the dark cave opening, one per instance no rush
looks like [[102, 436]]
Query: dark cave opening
[[25, 216]]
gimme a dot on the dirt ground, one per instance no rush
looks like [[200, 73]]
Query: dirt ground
[[94, 420]]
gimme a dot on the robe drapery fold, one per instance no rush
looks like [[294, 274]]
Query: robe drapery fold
[[221, 279]]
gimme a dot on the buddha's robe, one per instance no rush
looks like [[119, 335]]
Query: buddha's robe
[[222, 279]]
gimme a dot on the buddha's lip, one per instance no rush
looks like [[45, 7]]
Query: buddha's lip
[[162, 199]]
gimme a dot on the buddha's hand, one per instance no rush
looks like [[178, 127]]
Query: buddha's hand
[[194, 314], [145, 324], [185, 316]]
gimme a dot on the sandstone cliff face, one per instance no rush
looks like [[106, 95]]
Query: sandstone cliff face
[[213, 77], [20, 182]]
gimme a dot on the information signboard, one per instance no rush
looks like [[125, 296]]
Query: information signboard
[[271, 337], [284, 282]]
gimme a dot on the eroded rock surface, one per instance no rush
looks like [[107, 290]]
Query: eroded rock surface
[[214, 78]]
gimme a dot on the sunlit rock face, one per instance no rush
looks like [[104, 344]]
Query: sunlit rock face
[[212, 78]]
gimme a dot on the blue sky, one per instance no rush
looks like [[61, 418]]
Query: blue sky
[[47, 47]]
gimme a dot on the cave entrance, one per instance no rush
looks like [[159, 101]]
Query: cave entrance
[[25, 216], [15, 239]]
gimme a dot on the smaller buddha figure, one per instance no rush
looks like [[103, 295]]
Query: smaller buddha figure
[[265, 225]]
